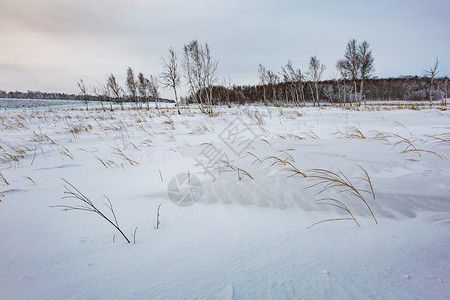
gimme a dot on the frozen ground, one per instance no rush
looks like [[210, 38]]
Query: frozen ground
[[245, 236], [7, 103]]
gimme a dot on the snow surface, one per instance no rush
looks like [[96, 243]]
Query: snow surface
[[246, 237]]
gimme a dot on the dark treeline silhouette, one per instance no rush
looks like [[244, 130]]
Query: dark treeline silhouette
[[63, 96], [410, 88]]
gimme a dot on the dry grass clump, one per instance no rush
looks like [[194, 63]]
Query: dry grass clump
[[121, 154], [411, 148], [76, 129], [286, 163], [442, 138], [328, 180], [395, 139], [202, 129], [107, 163]]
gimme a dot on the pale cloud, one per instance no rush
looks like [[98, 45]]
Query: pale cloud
[[50, 44]]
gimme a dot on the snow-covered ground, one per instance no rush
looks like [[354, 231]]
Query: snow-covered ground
[[239, 226]]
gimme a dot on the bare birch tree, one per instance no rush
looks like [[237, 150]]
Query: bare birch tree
[[83, 92], [294, 79], [131, 85], [153, 89], [272, 81], [170, 76], [97, 91], [142, 87], [201, 73], [340, 66], [366, 65], [262, 73], [315, 72], [210, 75], [115, 89], [432, 72], [352, 64]]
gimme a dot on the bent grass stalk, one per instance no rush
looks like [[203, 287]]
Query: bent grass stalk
[[87, 205], [336, 203], [4, 179]]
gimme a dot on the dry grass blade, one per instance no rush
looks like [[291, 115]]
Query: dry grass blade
[[256, 157], [228, 165], [156, 227], [241, 171], [292, 169], [329, 220], [403, 127], [418, 151], [4, 179], [276, 159], [289, 157], [73, 193], [266, 141], [30, 179], [367, 179]]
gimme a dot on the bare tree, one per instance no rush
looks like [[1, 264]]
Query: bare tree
[[287, 71], [105, 90], [210, 75], [351, 64], [189, 69], [432, 72], [83, 92], [131, 85], [115, 89], [272, 81], [201, 72], [228, 86], [98, 93], [170, 76], [153, 89], [294, 79], [340, 66], [315, 72], [366, 65], [262, 73], [142, 87], [443, 90]]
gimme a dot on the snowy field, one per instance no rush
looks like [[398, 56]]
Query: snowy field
[[255, 203]]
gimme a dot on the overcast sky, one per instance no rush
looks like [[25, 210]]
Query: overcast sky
[[49, 45]]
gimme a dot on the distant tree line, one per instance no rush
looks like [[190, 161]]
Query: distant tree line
[[43, 95], [61, 96]]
